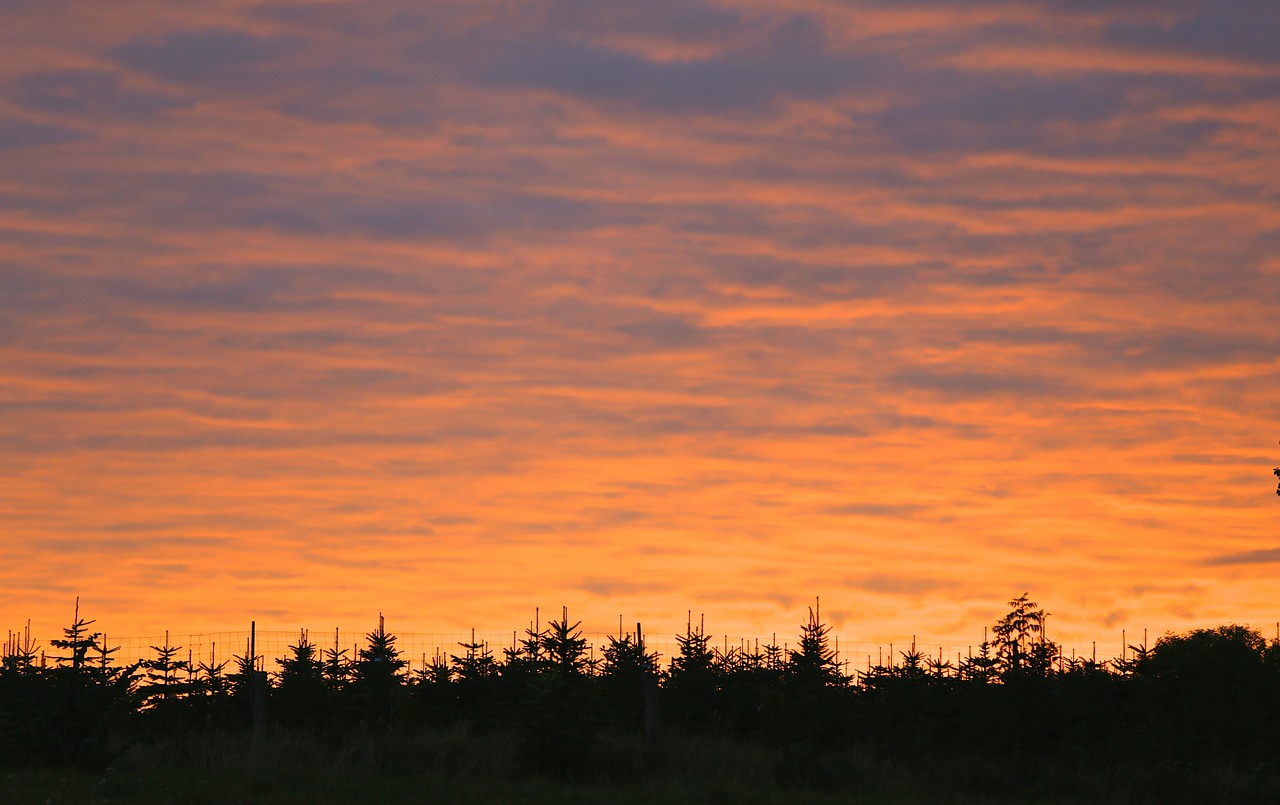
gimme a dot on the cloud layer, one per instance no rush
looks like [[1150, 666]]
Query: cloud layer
[[453, 310]]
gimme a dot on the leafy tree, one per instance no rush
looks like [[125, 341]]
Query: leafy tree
[[1208, 656]]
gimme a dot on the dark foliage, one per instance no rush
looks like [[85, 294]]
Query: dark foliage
[[1209, 696]]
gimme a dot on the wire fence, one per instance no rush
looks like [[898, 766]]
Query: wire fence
[[422, 648]]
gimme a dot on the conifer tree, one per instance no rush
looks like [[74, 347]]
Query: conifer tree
[[301, 680], [245, 666], [337, 666], [984, 665], [695, 659], [378, 664], [693, 680], [566, 648], [475, 663], [435, 671], [528, 657], [20, 651], [77, 642], [211, 675], [164, 674], [624, 657], [815, 662]]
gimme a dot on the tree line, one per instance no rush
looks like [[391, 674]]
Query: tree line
[[1207, 690]]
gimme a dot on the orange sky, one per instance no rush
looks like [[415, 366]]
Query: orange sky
[[314, 310]]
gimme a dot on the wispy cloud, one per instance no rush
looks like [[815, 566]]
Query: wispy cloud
[[677, 303]]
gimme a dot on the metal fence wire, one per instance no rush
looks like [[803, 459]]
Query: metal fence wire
[[419, 649]]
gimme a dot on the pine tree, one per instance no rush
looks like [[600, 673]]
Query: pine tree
[[20, 651], [378, 664], [566, 648], [695, 658], [164, 674], [337, 666], [528, 657], [476, 662], [211, 675], [78, 642], [815, 662], [984, 666], [694, 680], [301, 680]]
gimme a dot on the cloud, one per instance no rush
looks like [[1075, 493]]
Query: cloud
[[906, 510], [497, 295], [665, 332], [902, 585], [1241, 29], [211, 56], [18, 133], [1094, 115], [965, 383], [790, 62], [90, 93], [1265, 556]]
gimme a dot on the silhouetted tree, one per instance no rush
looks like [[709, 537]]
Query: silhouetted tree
[[337, 666], [528, 657], [693, 680], [77, 642], [475, 663], [212, 676], [301, 681], [625, 671], [377, 666], [20, 651], [1021, 646], [980, 667], [815, 662], [164, 675], [565, 647]]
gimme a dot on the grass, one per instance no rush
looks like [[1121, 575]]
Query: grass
[[457, 765]]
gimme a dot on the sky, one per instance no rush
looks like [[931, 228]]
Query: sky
[[450, 310]]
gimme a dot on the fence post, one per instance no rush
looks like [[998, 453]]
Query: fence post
[[258, 689], [650, 688]]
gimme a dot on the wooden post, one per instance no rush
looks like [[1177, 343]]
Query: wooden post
[[258, 689], [650, 690]]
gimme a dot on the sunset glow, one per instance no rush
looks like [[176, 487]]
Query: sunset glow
[[450, 310]]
